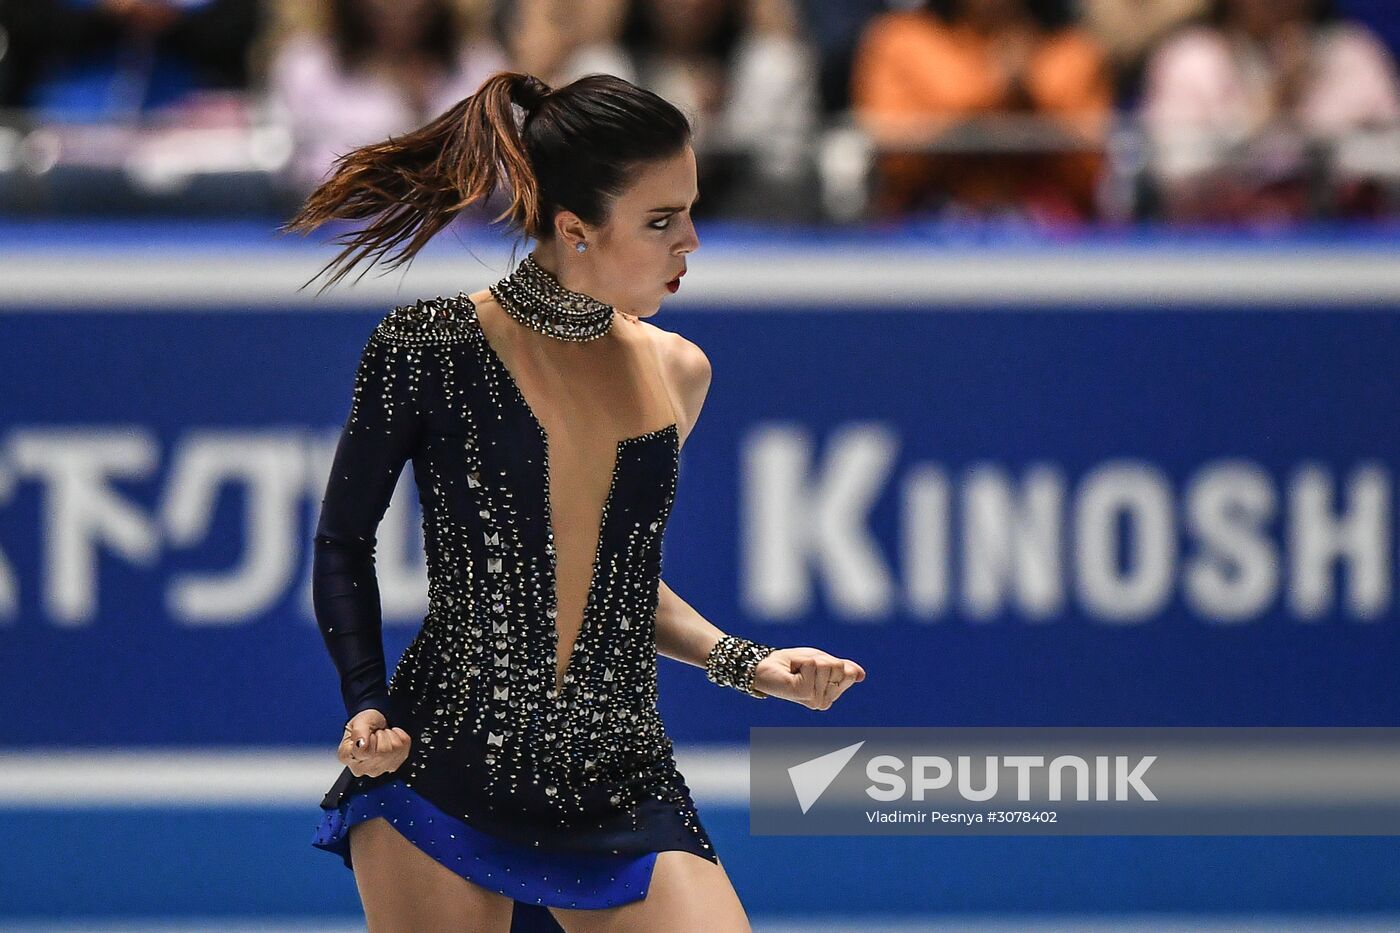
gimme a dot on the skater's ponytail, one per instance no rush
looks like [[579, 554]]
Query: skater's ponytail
[[572, 148]]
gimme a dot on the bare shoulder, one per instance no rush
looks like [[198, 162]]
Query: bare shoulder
[[686, 369], [686, 366]]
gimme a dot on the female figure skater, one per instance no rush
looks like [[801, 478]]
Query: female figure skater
[[517, 756]]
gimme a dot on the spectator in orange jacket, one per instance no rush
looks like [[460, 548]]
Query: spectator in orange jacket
[[921, 73]]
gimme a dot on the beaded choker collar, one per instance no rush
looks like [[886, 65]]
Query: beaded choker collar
[[536, 299]]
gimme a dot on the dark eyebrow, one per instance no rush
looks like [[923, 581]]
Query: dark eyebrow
[[672, 210]]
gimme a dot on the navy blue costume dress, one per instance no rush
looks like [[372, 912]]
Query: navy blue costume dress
[[554, 798]]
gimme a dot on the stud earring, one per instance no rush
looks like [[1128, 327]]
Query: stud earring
[[580, 246]]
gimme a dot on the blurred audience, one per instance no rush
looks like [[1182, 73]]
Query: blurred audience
[[835, 29], [85, 61], [684, 49], [921, 75], [1247, 109], [1130, 29], [560, 40], [1382, 16], [1052, 110], [377, 67], [745, 75], [771, 108]]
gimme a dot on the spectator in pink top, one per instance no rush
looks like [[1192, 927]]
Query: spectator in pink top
[[1245, 108], [381, 67]]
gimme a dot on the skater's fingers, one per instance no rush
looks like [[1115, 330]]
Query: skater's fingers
[[832, 687]]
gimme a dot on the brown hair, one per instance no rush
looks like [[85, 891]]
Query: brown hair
[[575, 149]]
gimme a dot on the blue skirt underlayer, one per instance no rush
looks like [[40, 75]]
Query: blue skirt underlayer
[[526, 874]]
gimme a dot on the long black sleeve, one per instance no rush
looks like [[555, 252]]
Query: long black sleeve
[[381, 433]]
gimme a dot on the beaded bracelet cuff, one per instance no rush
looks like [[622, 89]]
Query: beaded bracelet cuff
[[731, 663]]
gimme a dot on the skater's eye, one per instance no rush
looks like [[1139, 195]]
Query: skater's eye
[[669, 211]]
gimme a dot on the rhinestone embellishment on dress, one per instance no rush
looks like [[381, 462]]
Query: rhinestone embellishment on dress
[[478, 681]]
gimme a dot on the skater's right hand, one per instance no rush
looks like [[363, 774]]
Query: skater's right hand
[[370, 748]]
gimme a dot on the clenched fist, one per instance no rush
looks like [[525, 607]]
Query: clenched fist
[[370, 748], [808, 676]]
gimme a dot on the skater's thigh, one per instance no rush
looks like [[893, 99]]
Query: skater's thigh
[[404, 888], [687, 894]]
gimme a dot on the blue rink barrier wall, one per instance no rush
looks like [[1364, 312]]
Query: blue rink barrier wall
[[1147, 483]]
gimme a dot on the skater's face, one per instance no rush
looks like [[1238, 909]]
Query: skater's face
[[649, 231]]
